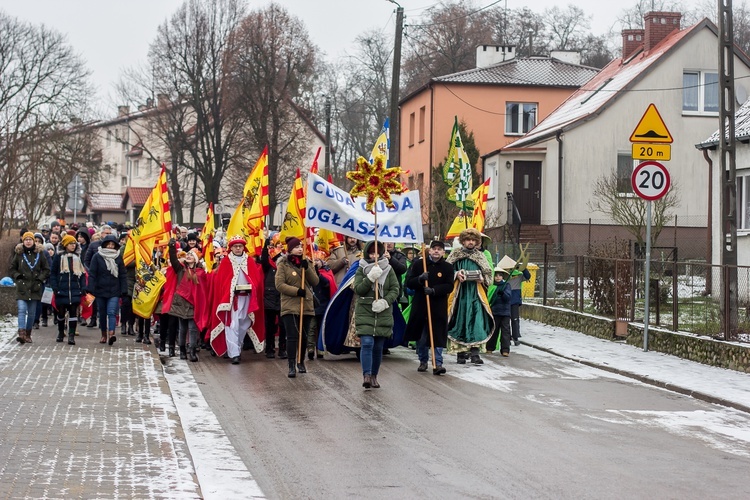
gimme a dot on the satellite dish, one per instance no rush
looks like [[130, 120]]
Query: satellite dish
[[740, 94]]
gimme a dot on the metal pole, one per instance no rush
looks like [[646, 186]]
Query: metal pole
[[648, 276], [327, 168]]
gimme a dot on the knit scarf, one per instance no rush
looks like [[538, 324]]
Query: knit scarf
[[383, 264], [109, 255], [77, 266]]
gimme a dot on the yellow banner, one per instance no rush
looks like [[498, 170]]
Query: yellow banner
[[154, 223], [293, 224], [148, 285], [207, 239]]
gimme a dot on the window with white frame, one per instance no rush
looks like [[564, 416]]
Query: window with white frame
[[700, 91], [520, 117], [743, 200]]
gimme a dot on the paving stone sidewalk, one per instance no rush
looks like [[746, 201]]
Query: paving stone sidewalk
[[88, 421]]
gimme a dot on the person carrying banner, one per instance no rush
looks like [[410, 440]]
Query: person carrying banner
[[470, 320], [291, 270], [436, 283], [373, 317], [237, 302], [186, 298]]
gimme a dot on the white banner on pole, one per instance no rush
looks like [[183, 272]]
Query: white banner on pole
[[330, 207]]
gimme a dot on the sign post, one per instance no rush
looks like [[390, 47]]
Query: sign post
[[650, 181], [75, 195]]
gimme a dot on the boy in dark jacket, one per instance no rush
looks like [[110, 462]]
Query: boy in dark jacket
[[500, 304]]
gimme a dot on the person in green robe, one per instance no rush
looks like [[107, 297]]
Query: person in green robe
[[470, 321]]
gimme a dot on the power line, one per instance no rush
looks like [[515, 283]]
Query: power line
[[457, 18]]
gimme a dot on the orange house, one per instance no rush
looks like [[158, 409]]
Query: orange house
[[500, 100]]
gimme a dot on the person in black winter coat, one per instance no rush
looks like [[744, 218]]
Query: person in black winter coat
[[29, 270], [107, 282], [322, 296], [68, 279], [272, 301], [437, 283]]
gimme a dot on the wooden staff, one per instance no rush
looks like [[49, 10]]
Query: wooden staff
[[301, 303], [429, 311], [376, 248]]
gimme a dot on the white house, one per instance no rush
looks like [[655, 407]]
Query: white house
[[551, 170]]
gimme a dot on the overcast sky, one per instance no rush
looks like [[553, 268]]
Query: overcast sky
[[112, 35]]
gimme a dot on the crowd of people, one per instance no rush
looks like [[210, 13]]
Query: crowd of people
[[449, 297]]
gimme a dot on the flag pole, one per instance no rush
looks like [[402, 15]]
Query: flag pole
[[301, 302], [429, 311], [376, 248]]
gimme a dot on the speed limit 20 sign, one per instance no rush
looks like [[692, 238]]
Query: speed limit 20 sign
[[650, 180]]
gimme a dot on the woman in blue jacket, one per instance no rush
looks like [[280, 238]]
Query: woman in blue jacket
[[107, 282]]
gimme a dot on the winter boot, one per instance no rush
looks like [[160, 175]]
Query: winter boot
[[367, 381], [183, 352], [72, 333], [139, 338], [461, 358], [28, 336], [192, 355], [60, 331], [375, 384], [123, 330], [146, 339], [21, 339], [131, 332], [111, 337], [292, 368], [476, 359], [171, 351], [301, 366], [44, 323], [92, 323], [103, 340]]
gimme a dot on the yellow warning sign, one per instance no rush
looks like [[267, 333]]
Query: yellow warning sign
[[651, 128]]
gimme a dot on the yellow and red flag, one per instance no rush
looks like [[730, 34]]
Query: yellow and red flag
[[154, 223], [293, 224], [480, 205], [247, 219], [207, 239]]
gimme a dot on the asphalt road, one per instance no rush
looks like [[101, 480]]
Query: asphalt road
[[529, 426]]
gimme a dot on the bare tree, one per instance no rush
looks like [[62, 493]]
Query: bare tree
[[567, 27], [630, 211], [43, 85], [445, 41], [272, 64], [188, 60]]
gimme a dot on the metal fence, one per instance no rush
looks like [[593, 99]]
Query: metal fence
[[686, 296]]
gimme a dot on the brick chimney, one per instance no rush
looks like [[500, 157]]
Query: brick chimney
[[632, 40], [658, 26]]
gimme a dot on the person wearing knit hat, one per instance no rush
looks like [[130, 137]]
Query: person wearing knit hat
[[292, 243], [67, 240], [39, 238], [237, 300], [29, 270], [67, 279], [107, 282]]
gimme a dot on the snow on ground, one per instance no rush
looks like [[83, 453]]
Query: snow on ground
[[220, 470]]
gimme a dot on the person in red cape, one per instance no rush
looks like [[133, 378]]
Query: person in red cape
[[236, 302], [186, 298]]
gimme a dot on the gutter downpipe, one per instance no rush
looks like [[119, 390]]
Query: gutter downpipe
[[558, 137], [709, 245]]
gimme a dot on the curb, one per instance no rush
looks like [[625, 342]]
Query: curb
[[647, 380]]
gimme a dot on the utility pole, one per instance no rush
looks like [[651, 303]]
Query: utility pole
[[394, 151], [327, 168], [728, 169]]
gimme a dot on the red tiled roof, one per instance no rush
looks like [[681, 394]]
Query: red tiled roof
[[137, 196], [104, 201]]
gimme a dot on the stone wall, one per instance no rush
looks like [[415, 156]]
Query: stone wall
[[687, 346]]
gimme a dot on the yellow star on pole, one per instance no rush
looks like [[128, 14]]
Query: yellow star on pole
[[375, 181]]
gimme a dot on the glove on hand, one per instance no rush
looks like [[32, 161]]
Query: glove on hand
[[301, 292], [374, 274], [304, 264], [429, 291], [379, 305], [424, 277]]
